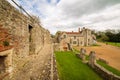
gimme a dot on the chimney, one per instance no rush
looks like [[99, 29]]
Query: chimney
[[83, 27], [79, 30]]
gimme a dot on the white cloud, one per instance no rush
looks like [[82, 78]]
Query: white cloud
[[69, 15]]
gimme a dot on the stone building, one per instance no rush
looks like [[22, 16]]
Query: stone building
[[83, 37], [28, 38]]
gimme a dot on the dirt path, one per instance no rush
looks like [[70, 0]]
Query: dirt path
[[107, 52]]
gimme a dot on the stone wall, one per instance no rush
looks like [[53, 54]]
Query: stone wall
[[57, 47], [55, 72], [17, 24], [6, 62], [105, 74], [29, 37]]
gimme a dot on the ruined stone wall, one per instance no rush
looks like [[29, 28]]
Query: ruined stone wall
[[41, 38], [104, 73], [29, 37], [17, 24], [107, 75]]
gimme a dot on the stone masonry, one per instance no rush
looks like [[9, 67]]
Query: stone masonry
[[31, 43], [83, 37]]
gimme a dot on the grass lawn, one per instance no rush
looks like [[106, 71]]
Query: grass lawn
[[114, 43], [109, 68], [71, 68]]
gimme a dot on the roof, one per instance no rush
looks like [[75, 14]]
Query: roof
[[71, 34]]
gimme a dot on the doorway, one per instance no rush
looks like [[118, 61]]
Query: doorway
[[2, 64]]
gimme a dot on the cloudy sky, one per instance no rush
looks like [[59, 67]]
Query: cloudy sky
[[69, 15]]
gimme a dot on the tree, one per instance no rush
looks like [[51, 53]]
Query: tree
[[104, 37]]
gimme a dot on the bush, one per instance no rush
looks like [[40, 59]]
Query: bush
[[6, 43]]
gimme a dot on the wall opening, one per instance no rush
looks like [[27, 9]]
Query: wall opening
[[78, 42], [2, 64], [30, 32], [88, 41], [31, 49]]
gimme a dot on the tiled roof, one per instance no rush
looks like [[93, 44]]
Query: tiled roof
[[72, 32]]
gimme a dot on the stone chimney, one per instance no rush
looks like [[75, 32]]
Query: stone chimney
[[83, 27], [79, 30]]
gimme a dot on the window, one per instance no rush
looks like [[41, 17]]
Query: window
[[74, 37], [78, 41], [30, 28], [31, 45], [64, 36], [88, 41], [74, 42], [70, 41], [30, 32]]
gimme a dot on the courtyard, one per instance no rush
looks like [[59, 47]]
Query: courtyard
[[107, 52]]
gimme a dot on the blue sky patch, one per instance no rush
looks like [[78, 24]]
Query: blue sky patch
[[58, 1], [49, 1]]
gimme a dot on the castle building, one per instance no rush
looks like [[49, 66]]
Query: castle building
[[83, 37]]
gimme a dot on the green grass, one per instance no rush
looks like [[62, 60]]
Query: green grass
[[87, 57], [71, 68], [113, 43], [109, 68], [76, 51]]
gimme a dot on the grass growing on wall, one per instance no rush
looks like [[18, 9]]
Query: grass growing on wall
[[71, 68], [109, 68]]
